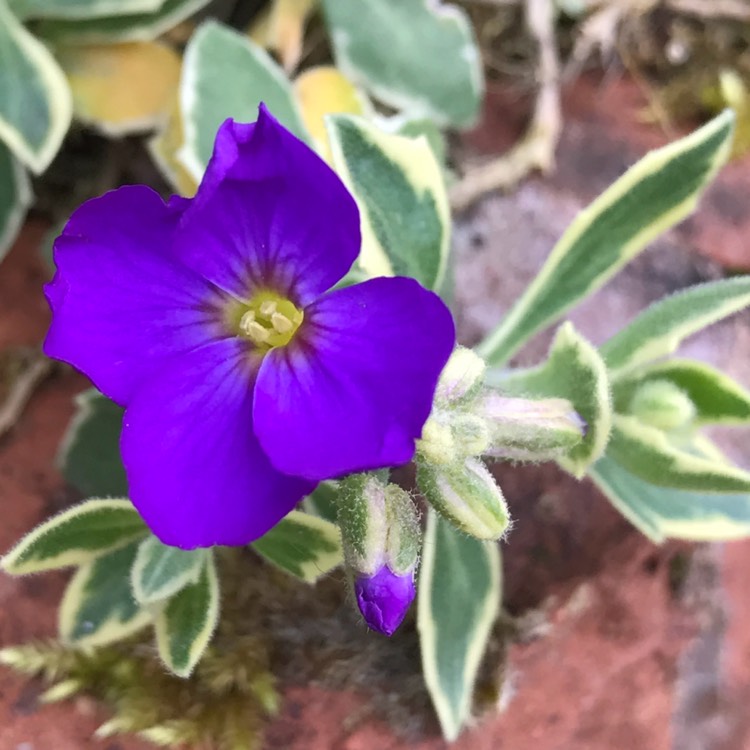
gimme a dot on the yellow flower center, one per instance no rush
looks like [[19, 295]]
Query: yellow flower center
[[269, 320]]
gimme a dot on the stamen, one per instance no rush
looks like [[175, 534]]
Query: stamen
[[257, 332], [268, 320], [268, 308], [246, 320], [281, 323]]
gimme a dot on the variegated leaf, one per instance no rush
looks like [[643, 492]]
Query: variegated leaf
[[652, 196], [121, 26], [716, 397], [186, 624], [415, 55], [248, 77], [90, 451], [35, 101], [661, 328], [647, 452], [160, 571], [458, 601], [76, 536], [98, 606], [398, 186], [15, 198], [667, 513], [304, 546]]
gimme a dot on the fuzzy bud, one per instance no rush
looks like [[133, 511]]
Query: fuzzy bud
[[462, 377], [384, 599], [530, 430], [437, 444], [467, 495], [382, 540], [661, 404]]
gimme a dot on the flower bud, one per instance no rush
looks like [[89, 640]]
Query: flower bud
[[466, 494], [462, 377], [381, 539], [363, 522], [384, 598], [661, 404], [437, 444], [530, 430]]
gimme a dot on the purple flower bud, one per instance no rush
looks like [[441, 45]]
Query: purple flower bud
[[384, 599]]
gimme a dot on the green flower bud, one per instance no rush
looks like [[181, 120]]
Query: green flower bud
[[530, 430], [404, 541], [661, 404], [437, 444], [451, 435], [379, 526], [363, 522], [462, 377], [466, 494], [381, 539]]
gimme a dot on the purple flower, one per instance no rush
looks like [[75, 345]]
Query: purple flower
[[245, 380], [384, 599]]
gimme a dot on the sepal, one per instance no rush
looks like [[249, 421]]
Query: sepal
[[467, 495], [531, 430]]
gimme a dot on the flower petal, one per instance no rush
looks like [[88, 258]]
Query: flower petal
[[121, 304], [352, 391], [196, 472], [384, 599], [269, 213]]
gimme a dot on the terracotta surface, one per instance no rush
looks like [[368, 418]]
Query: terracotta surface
[[614, 652]]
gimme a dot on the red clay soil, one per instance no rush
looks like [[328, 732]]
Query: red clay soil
[[609, 628]]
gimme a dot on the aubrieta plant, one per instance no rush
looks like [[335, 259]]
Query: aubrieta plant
[[270, 345]]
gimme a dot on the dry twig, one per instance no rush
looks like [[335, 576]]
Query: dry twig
[[537, 148]]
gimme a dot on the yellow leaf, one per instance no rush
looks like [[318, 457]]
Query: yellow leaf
[[121, 88], [325, 91], [281, 29], [164, 147]]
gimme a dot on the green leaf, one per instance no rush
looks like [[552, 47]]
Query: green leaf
[[130, 27], [98, 606], [458, 601], [186, 624], [414, 128], [665, 513], [76, 536], [321, 501], [652, 196], [90, 451], [648, 453], [575, 371], [398, 185], [81, 9], [15, 198], [717, 398], [35, 102], [661, 328], [161, 571], [416, 55], [302, 545], [227, 75]]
